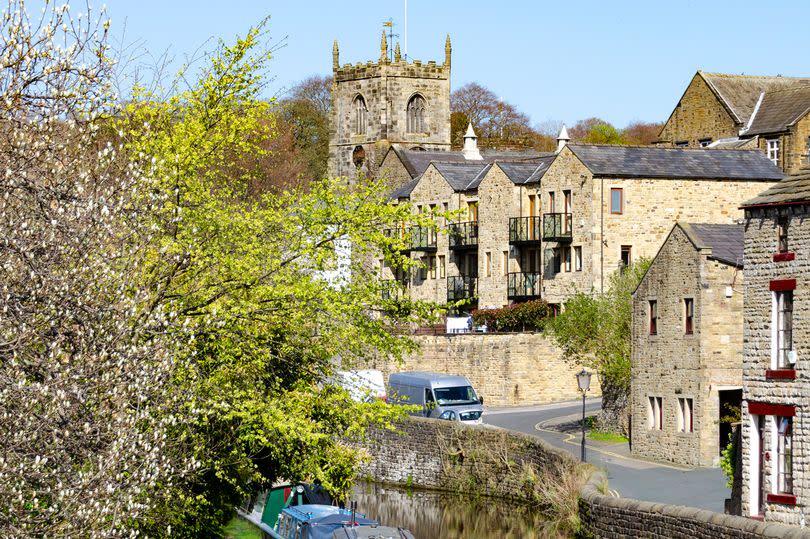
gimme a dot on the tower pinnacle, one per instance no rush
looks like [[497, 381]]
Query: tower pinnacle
[[397, 53], [447, 50], [383, 49], [335, 56]]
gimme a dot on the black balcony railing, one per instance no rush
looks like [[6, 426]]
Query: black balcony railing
[[524, 230], [416, 238], [393, 289], [556, 227], [523, 285], [462, 287], [463, 235]]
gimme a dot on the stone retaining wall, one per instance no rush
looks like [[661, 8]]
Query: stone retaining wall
[[603, 516], [436, 454]]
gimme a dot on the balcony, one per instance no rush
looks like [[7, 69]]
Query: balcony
[[393, 289], [523, 286], [524, 230], [416, 238], [463, 236], [463, 287], [557, 227]]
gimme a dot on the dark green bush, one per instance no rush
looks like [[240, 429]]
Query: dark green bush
[[527, 316]]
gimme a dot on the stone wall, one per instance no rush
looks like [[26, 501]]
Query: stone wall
[[673, 364], [792, 393], [699, 115], [793, 145], [506, 369], [603, 516]]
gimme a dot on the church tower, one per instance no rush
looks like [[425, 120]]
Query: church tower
[[391, 101]]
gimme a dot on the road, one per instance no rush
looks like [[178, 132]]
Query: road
[[628, 477]]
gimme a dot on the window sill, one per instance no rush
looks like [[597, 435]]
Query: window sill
[[780, 374], [787, 256], [783, 499]]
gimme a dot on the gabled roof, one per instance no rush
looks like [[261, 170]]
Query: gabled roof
[[463, 176], [525, 173], [725, 241], [780, 109], [417, 161], [791, 190], [675, 163], [733, 143], [404, 191], [740, 93]]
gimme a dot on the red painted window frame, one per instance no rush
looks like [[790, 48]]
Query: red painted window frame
[[688, 319], [653, 306], [783, 499], [766, 408]]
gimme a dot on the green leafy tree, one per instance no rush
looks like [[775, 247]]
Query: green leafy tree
[[595, 331], [265, 290]]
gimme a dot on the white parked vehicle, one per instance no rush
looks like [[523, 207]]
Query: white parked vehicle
[[362, 385], [441, 396]]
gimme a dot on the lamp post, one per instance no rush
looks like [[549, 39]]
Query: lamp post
[[584, 383]]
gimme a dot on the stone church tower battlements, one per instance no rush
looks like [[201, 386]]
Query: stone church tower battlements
[[377, 104]]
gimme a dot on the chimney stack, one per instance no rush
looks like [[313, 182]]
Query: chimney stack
[[562, 139]]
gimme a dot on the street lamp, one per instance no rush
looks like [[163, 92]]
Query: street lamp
[[584, 383]]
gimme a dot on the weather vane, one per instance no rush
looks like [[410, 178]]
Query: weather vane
[[391, 35]]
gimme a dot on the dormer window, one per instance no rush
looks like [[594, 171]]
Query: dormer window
[[416, 115], [360, 115], [773, 150]]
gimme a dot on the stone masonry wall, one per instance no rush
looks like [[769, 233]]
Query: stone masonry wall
[[699, 115], [760, 270], [606, 517], [673, 364], [793, 146], [506, 369]]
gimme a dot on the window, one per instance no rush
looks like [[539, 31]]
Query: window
[[504, 262], [532, 205], [566, 258], [551, 202], [578, 258], [488, 269], [784, 455], [360, 115], [567, 211], [782, 234], [616, 200], [773, 150], [682, 144], [685, 416], [431, 267], [625, 257], [442, 266], [688, 315], [783, 307], [653, 317], [655, 414], [557, 259], [416, 114], [704, 142]]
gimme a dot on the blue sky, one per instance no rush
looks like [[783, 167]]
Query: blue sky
[[621, 61]]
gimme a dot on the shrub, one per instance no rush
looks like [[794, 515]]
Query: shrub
[[528, 316]]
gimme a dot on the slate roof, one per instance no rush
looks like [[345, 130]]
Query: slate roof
[[677, 163], [525, 173], [733, 143], [740, 93], [792, 189], [417, 161], [404, 191], [463, 176], [725, 241], [780, 109]]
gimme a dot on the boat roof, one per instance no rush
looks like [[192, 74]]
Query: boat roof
[[323, 528], [435, 379]]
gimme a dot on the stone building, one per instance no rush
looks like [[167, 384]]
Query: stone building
[[741, 111], [553, 225], [686, 366], [377, 104], [776, 391]]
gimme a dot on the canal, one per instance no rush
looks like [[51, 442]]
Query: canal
[[432, 515]]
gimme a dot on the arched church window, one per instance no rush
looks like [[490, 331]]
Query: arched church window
[[360, 113], [416, 114]]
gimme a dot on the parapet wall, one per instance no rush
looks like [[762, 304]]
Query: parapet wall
[[506, 369], [484, 460]]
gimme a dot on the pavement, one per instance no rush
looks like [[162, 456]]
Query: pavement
[[628, 477]]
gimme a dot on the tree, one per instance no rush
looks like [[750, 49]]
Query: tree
[[642, 133], [164, 327], [595, 131], [497, 123], [595, 331], [305, 116]]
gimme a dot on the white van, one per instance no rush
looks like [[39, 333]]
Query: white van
[[363, 385], [441, 396]]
